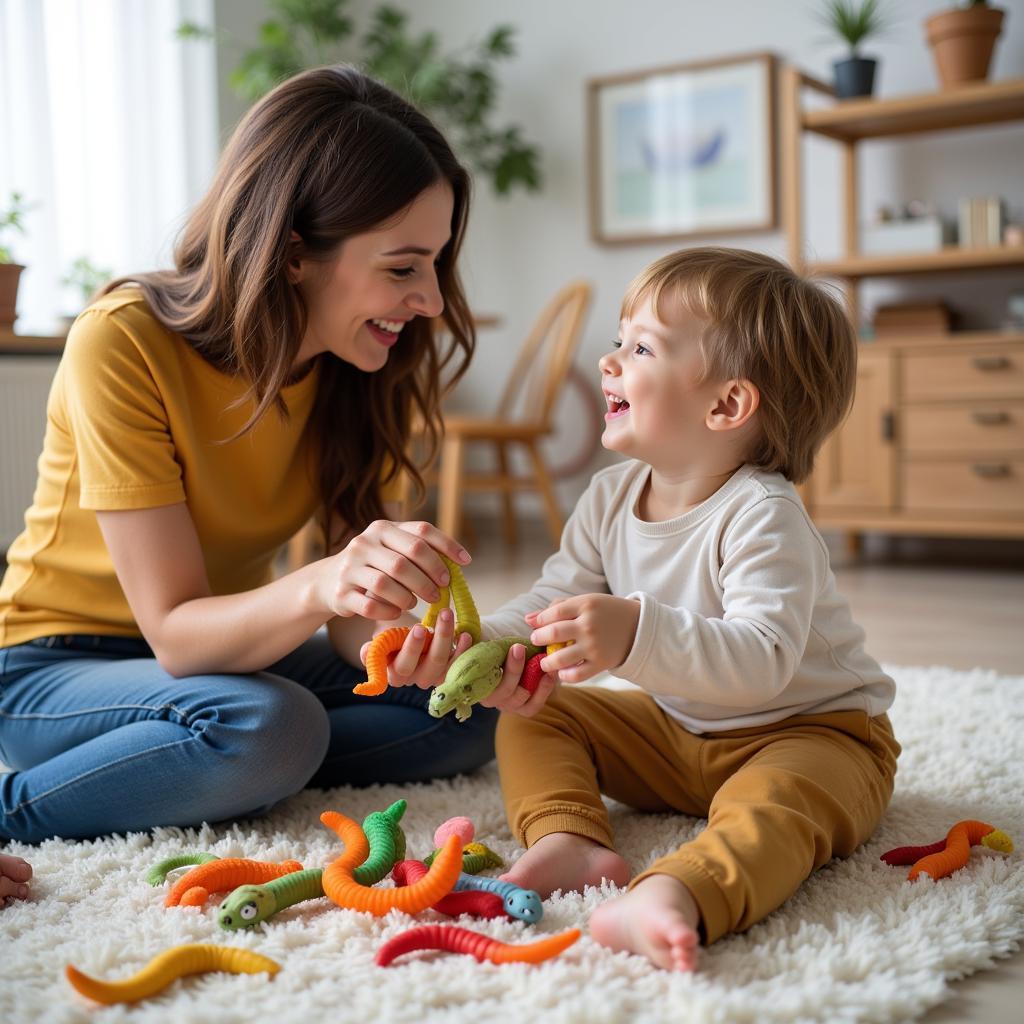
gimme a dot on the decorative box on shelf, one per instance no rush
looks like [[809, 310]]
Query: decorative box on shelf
[[916, 234]]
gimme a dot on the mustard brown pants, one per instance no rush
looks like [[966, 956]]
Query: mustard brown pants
[[781, 800]]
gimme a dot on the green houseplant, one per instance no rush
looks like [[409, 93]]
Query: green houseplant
[[962, 40], [457, 91], [11, 220], [86, 279], [854, 22]]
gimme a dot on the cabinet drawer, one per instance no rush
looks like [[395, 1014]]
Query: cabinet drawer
[[990, 427], [987, 487], [997, 372]]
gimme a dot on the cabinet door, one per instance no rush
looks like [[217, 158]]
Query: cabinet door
[[856, 466]]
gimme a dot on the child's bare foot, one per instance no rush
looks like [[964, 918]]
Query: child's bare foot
[[14, 873], [568, 862], [657, 919]]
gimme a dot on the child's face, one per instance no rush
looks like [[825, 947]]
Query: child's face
[[359, 301], [651, 380]]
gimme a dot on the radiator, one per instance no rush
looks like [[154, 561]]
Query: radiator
[[24, 386]]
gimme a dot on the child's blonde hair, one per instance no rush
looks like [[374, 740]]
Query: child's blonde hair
[[766, 324]]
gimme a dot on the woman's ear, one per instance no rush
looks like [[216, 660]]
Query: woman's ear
[[737, 401], [295, 268]]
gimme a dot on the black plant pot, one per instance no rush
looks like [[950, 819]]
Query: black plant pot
[[854, 77]]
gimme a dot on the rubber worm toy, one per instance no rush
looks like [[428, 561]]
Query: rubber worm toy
[[167, 967], [342, 888], [520, 903], [193, 889], [248, 905], [476, 857], [386, 643], [474, 903], [158, 872], [462, 940], [940, 859]]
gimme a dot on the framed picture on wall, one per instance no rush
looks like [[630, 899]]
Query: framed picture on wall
[[685, 150]]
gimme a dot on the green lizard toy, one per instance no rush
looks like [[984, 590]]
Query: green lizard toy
[[474, 675]]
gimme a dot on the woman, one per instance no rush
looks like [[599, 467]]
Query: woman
[[152, 671]]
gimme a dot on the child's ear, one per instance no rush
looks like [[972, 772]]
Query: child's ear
[[737, 401]]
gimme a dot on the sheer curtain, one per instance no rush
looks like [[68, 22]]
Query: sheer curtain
[[108, 127]]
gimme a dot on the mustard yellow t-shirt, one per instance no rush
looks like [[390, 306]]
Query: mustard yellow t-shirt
[[133, 420]]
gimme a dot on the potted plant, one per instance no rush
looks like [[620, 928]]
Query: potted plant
[[87, 279], [11, 219], [962, 40], [458, 91], [854, 22]]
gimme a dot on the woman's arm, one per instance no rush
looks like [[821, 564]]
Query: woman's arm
[[156, 553]]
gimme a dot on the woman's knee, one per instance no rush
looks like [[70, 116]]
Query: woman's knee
[[284, 737]]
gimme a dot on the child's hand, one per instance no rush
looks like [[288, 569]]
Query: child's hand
[[14, 874], [424, 656], [510, 696], [599, 628]]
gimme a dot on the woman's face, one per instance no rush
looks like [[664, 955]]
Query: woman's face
[[359, 301]]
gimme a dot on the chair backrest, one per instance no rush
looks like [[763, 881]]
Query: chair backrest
[[544, 360]]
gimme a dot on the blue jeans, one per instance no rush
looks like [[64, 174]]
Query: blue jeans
[[101, 739]]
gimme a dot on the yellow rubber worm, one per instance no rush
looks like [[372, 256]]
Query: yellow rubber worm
[[467, 618], [174, 963]]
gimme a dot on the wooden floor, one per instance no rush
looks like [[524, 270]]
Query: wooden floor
[[935, 602]]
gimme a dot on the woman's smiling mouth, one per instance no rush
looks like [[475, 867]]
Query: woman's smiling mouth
[[385, 331]]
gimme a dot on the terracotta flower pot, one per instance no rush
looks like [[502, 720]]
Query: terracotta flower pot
[[9, 274], [962, 41]]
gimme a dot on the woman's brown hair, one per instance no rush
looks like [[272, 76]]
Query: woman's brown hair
[[764, 323], [328, 154]]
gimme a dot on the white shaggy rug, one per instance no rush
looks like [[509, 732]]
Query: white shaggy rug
[[857, 942]]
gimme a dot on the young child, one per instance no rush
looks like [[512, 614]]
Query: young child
[[693, 571]]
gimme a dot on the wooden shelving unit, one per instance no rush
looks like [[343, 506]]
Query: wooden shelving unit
[[934, 444]]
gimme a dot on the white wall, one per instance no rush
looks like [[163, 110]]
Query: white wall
[[521, 248]]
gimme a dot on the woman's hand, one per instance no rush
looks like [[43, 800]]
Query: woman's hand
[[599, 628], [384, 570], [424, 657], [510, 696]]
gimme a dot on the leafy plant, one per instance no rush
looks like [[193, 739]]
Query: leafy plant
[[457, 91], [855, 21], [11, 219], [86, 277]]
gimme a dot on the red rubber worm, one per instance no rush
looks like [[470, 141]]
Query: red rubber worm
[[461, 940]]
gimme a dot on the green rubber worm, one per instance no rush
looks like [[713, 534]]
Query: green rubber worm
[[158, 872]]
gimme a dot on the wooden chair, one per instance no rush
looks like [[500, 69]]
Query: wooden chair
[[523, 417]]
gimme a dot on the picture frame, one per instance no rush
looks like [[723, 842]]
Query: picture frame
[[683, 150]]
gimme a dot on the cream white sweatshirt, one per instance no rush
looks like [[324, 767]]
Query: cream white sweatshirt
[[740, 620]]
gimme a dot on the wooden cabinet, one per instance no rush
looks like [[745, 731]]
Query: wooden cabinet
[[934, 443], [856, 466]]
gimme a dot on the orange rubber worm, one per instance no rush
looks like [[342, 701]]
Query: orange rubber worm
[[346, 892], [462, 940], [959, 840], [381, 646], [224, 875], [474, 902]]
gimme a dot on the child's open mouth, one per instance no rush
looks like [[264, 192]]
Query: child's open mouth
[[385, 331], [616, 407]]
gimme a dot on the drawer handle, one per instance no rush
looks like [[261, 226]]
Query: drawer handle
[[991, 362], [990, 419], [991, 470]]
